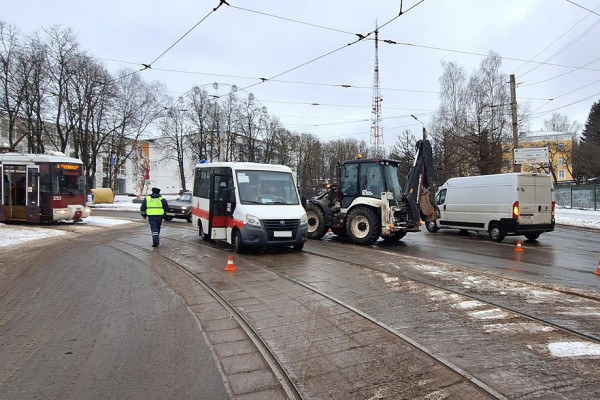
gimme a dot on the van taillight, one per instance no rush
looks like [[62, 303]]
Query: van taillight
[[553, 210], [515, 210]]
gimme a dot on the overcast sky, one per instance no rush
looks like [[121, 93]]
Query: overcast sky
[[302, 48]]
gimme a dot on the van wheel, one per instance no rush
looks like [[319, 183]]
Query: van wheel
[[238, 244], [496, 232], [168, 218], [363, 226], [316, 222], [432, 226], [532, 236]]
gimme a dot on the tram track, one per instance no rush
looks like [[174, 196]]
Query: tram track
[[272, 357], [513, 310]]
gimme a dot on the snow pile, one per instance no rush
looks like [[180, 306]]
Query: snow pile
[[580, 218]]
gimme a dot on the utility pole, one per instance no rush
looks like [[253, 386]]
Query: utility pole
[[376, 130], [515, 125]]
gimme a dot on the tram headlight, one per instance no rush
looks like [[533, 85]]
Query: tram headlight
[[252, 220]]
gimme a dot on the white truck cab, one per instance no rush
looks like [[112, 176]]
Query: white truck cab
[[502, 204]]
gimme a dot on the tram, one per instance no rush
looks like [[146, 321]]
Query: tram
[[42, 188]]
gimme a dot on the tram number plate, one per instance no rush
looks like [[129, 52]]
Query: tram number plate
[[282, 234]]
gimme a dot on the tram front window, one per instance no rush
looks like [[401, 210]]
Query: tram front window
[[71, 184], [67, 179]]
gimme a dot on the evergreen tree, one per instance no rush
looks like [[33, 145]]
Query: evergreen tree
[[587, 163], [591, 131]]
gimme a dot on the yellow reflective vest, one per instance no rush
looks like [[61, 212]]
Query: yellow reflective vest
[[154, 206]]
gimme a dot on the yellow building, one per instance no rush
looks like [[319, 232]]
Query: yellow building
[[560, 154]]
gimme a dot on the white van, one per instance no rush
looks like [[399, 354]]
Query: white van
[[249, 205], [504, 204]]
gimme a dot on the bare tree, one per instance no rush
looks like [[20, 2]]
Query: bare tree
[[473, 116], [63, 60], [404, 150], [135, 107], [204, 115], [176, 129], [312, 171], [12, 90], [560, 123], [252, 124]]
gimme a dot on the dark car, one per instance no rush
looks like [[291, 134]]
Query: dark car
[[181, 207]]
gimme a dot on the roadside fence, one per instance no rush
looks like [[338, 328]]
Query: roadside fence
[[585, 196]]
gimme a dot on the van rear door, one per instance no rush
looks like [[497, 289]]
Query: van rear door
[[543, 198], [535, 199]]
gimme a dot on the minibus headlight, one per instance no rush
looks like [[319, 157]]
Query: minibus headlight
[[304, 219], [252, 220]]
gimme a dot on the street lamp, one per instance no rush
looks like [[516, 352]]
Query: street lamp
[[424, 131]]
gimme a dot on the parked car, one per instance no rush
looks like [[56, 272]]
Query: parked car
[[181, 207]]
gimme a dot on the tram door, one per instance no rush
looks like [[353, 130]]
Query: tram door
[[32, 196], [15, 187], [4, 193]]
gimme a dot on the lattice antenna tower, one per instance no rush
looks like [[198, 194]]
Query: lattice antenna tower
[[376, 129]]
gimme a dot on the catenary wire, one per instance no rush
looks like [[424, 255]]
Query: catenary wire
[[554, 41]]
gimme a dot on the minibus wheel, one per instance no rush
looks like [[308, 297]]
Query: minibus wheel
[[238, 244]]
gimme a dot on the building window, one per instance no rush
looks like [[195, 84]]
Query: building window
[[561, 161], [561, 174], [106, 165]]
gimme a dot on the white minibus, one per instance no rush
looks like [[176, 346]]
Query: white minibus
[[249, 205]]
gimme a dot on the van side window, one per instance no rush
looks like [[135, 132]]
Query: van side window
[[441, 197]]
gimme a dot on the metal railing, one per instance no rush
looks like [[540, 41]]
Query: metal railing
[[585, 196]]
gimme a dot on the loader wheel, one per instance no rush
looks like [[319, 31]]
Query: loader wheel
[[316, 222], [395, 237], [496, 232], [363, 225], [341, 232]]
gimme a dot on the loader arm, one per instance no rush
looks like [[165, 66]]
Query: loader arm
[[420, 187]]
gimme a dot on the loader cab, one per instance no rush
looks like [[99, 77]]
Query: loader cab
[[368, 178]]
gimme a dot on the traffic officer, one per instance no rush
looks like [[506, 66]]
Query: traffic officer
[[154, 207]]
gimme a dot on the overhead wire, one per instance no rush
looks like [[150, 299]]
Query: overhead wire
[[564, 47], [146, 66], [586, 9], [554, 41], [359, 38]]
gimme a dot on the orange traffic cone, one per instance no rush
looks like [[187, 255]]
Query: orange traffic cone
[[230, 265], [519, 247], [598, 269]]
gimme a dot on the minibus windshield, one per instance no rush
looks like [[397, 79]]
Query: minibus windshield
[[266, 187]]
